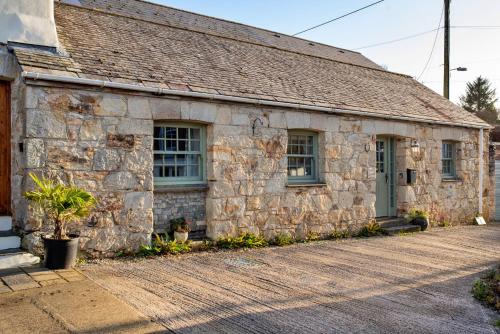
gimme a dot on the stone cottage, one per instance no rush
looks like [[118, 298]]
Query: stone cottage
[[162, 113]]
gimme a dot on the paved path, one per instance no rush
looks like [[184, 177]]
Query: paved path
[[17, 279], [417, 283], [45, 301]]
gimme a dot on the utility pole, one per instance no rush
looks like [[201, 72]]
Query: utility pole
[[446, 81]]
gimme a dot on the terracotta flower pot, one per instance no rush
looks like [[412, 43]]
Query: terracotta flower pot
[[181, 236]]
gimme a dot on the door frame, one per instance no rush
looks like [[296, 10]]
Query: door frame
[[5, 148], [390, 162]]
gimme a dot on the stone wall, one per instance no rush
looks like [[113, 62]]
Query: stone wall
[[102, 141], [187, 204], [99, 142]]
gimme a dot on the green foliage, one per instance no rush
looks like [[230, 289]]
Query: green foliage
[[444, 223], [480, 99], [180, 225], [339, 234], [283, 239], [160, 246], [246, 240], [487, 288], [371, 230], [480, 290], [497, 323], [313, 236], [60, 203], [414, 214]]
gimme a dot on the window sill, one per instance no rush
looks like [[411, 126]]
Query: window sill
[[180, 188], [306, 185], [451, 179]]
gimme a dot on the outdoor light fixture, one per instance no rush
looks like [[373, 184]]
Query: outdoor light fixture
[[414, 144], [459, 69]]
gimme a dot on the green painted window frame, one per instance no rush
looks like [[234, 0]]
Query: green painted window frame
[[181, 180], [448, 156], [306, 179]]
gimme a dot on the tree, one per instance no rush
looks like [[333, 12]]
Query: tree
[[480, 99]]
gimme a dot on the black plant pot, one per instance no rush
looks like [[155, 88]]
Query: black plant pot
[[60, 254], [422, 222]]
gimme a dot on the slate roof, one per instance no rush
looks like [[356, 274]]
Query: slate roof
[[120, 46]]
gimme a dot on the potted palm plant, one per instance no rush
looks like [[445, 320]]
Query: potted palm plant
[[181, 229], [418, 217], [60, 204]]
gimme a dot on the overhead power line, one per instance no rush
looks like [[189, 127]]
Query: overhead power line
[[338, 18], [421, 34], [433, 46], [397, 39]]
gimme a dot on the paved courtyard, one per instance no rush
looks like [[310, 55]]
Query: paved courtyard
[[417, 283]]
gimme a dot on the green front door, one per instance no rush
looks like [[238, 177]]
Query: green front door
[[384, 150]]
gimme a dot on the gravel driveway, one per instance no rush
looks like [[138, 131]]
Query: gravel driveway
[[417, 283]]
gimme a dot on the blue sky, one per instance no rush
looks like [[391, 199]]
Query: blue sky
[[477, 49]]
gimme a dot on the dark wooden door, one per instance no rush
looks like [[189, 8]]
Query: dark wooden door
[[4, 148]]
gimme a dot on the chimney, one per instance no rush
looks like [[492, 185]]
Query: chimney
[[28, 21]]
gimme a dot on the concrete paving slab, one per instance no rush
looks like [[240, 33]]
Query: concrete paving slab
[[417, 283], [19, 281], [76, 307], [52, 282]]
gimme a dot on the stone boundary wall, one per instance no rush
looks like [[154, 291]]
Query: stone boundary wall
[[169, 205], [102, 141]]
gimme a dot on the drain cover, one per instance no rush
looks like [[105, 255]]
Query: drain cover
[[241, 262]]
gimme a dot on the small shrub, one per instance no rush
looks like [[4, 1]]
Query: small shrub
[[162, 245], [146, 250], [246, 240], [180, 225], [207, 245], [444, 223], [497, 323], [480, 290], [414, 214], [487, 288], [283, 239], [339, 234], [371, 230], [313, 236]]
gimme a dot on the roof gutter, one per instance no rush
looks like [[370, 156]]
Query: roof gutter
[[228, 98]]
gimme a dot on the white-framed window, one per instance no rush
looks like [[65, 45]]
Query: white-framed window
[[179, 153], [448, 158], [302, 155]]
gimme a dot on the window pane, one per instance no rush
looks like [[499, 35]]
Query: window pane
[[159, 132], [195, 146], [193, 170], [169, 171], [195, 134], [192, 159], [181, 159], [183, 145], [159, 145], [301, 149], [158, 171], [158, 159], [182, 133], [310, 140], [294, 140], [309, 168], [181, 171], [170, 133], [169, 159], [171, 145]]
